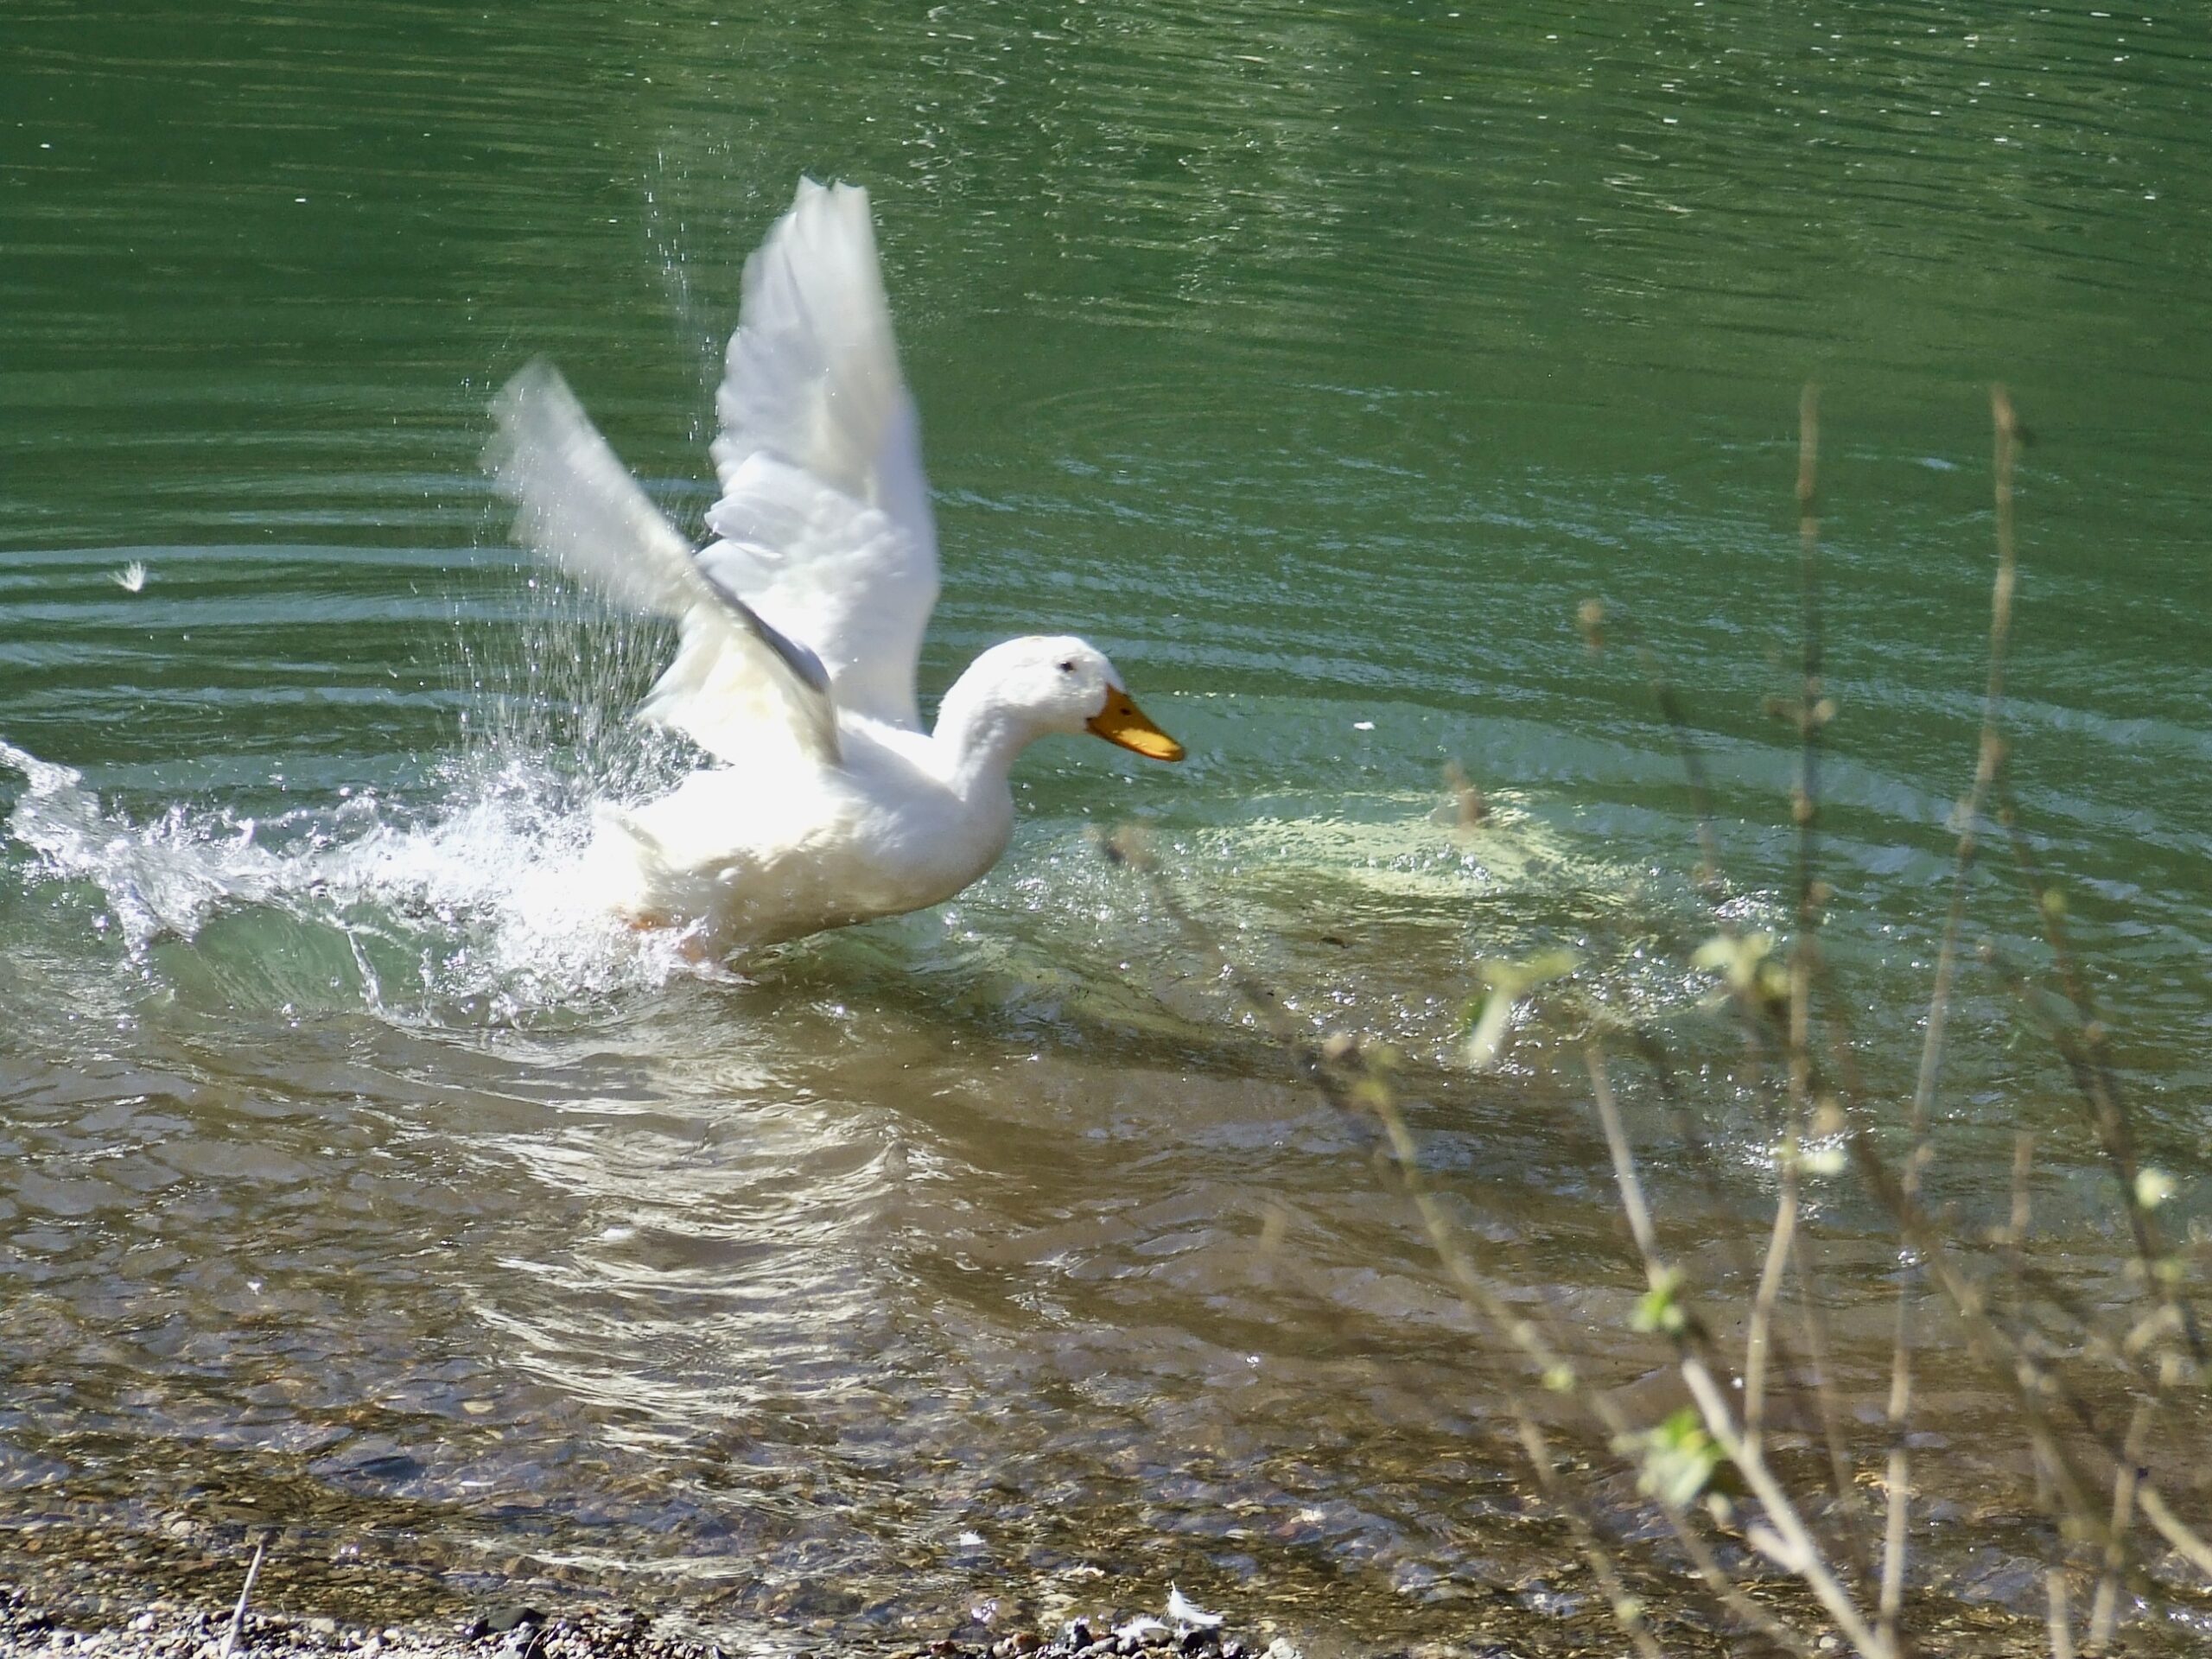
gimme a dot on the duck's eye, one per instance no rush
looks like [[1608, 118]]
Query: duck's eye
[[1068, 667]]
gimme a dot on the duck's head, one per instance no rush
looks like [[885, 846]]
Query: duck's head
[[1059, 683]]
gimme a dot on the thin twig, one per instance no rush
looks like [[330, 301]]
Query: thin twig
[[1507, 1320], [2059, 1620], [1803, 812], [1849, 1496], [1771, 1274], [2016, 1225], [2168, 1527], [2028, 1385], [1597, 620], [1628, 1611], [1776, 1356], [2157, 1268], [1813, 711], [1812, 707], [1812, 1112], [2104, 1607], [1789, 1544], [237, 1613], [2089, 1059], [1989, 757]]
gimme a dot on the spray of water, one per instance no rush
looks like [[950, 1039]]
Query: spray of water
[[461, 895]]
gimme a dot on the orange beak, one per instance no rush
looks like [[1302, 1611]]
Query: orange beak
[[1121, 721]]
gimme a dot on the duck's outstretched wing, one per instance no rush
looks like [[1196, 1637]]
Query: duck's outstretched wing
[[824, 518], [737, 682]]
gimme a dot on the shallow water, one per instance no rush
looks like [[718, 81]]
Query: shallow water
[[1316, 362]]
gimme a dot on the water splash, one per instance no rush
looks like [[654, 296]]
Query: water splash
[[158, 877], [470, 899]]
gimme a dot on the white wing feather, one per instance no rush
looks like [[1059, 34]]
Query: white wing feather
[[736, 682], [824, 518]]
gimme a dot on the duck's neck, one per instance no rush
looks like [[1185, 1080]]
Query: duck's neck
[[978, 735]]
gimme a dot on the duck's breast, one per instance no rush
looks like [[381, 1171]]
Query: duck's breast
[[762, 854]]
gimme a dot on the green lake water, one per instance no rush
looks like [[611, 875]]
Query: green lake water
[[1315, 361]]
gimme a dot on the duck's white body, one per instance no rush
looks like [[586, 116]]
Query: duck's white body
[[801, 625], [759, 853]]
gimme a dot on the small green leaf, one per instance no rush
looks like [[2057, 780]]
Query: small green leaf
[[1657, 1310], [1741, 959], [1826, 1160], [1509, 981], [1678, 1460]]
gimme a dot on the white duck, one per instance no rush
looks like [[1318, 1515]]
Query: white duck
[[800, 625]]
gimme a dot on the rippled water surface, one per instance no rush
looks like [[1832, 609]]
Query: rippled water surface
[[1315, 361]]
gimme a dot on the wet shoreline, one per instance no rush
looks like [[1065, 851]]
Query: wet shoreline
[[114, 1612], [163, 1627]]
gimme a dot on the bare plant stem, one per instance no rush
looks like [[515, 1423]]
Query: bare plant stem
[[2089, 1060], [1993, 1310], [1508, 1321], [1804, 813], [1598, 620], [1812, 711], [2104, 1608], [1850, 1506], [1626, 1611], [2032, 1388], [1785, 1539], [2016, 1226], [2168, 1525], [2011, 1359], [1772, 1273], [1812, 707], [1766, 1352], [238, 1614], [1989, 757], [1480, 1297], [2059, 1620]]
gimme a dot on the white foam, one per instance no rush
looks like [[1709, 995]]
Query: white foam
[[482, 880]]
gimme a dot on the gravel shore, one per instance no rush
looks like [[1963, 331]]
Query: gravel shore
[[163, 1631]]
